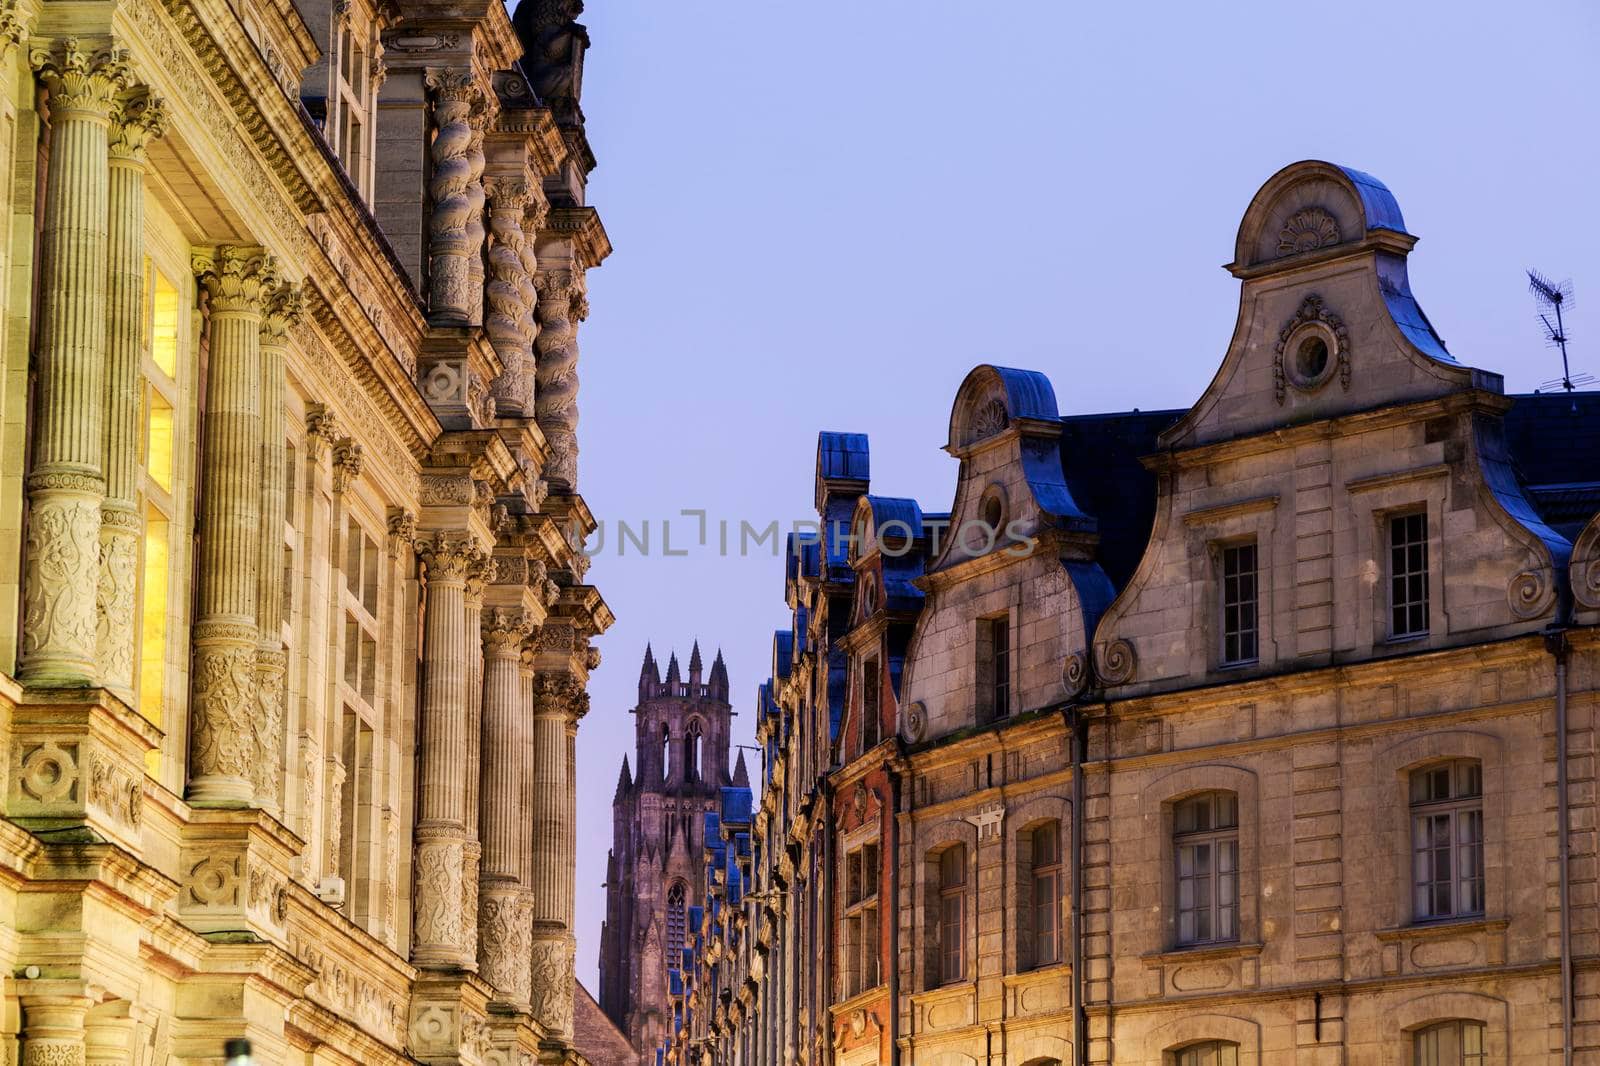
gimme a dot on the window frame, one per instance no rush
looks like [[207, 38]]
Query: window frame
[[1054, 872], [1422, 607], [1218, 839], [861, 916], [950, 921], [1461, 809], [1226, 581], [870, 725], [1451, 1046], [1224, 1053]]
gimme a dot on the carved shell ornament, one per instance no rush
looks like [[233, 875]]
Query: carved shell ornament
[[1307, 230], [1311, 346], [988, 420]]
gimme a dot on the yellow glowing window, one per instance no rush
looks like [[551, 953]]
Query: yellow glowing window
[[158, 439], [164, 326], [153, 627]]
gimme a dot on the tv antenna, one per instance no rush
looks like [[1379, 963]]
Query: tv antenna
[[1552, 299]]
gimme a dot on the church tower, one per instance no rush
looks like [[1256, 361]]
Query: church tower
[[654, 873]]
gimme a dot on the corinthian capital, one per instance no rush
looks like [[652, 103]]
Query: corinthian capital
[[14, 26], [80, 79], [237, 278], [555, 693], [505, 628], [283, 308], [453, 86], [510, 195], [137, 118], [448, 555]]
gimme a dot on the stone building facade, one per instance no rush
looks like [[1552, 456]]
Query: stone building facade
[[1261, 732], [296, 627], [654, 871]]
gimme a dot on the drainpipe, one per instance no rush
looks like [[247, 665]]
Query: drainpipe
[[1556, 642], [1077, 735], [892, 912]]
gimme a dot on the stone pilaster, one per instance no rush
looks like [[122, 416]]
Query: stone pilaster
[[443, 824], [109, 1033], [510, 287], [456, 190], [136, 119], [222, 737], [561, 305], [478, 578], [503, 902], [66, 485], [282, 310], [551, 988]]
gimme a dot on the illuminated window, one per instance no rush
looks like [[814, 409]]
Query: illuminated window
[[362, 692], [159, 471], [348, 124]]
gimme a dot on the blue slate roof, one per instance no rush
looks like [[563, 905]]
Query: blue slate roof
[[736, 806], [1100, 459], [843, 456], [1381, 208], [782, 653]]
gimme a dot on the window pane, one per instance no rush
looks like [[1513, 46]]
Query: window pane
[[158, 439], [153, 623], [164, 327]]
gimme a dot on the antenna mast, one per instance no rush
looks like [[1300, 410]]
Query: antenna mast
[[1552, 298]]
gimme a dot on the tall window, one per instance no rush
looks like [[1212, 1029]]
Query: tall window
[[1450, 1044], [1210, 1053], [870, 699], [350, 116], [666, 751], [861, 924], [952, 938], [994, 664], [1206, 844], [1041, 919], [1239, 604], [159, 404], [1447, 839], [1408, 575], [691, 753], [675, 925]]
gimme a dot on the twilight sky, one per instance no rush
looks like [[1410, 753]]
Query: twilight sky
[[826, 213]]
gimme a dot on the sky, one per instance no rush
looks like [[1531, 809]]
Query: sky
[[825, 213]]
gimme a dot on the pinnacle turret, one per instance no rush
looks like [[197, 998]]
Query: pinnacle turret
[[741, 775], [624, 781], [673, 675], [649, 676], [719, 678], [694, 668]]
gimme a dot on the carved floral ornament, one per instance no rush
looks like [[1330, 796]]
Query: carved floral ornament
[[237, 279], [137, 118], [1311, 346], [1307, 230]]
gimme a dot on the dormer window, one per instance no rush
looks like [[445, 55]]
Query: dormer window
[[1240, 604], [1408, 575]]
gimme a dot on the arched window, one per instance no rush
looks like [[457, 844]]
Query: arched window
[[675, 904], [691, 752], [1457, 1043], [1040, 919], [666, 751], [1205, 840], [1210, 1053], [1447, 840]]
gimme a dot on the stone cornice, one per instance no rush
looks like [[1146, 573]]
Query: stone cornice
[[582, 226]]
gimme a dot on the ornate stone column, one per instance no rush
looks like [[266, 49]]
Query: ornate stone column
[[66, 484], [478, 578], [553, 694], [456, 189], [222, 738], [136, 119], [509, 289], [561, 305], [442, 836], [477, 122], [503, 904], [53, 1015], [283, 309]]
